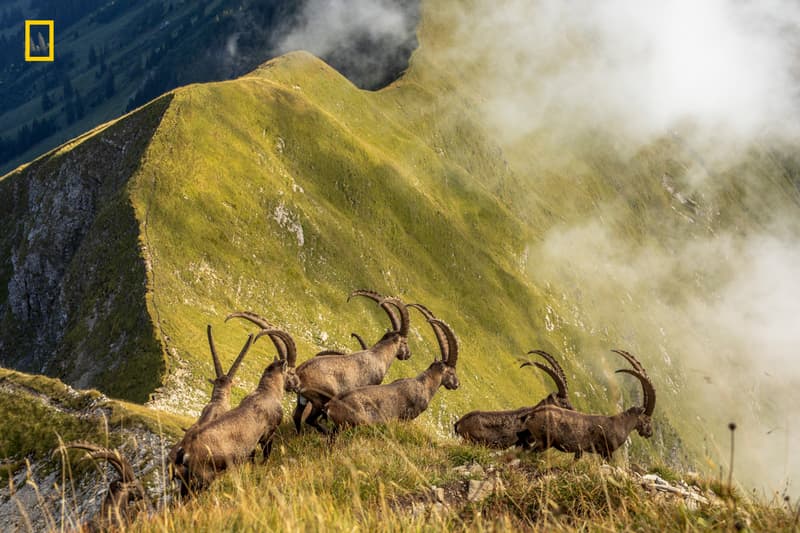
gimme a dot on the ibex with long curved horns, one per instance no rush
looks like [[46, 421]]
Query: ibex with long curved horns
[[126, 496], [573, 432], [403, 399], [499, 429], [222, 384], [322, 378], [232, 438]]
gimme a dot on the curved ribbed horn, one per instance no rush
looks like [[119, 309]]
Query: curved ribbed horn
[[562, 392], [360, 340], [114, 458], [217, 365], [561, 382], [647, 388], [240, 357], [452, 341], [258, 320], [632, 360], [329, 352], [261, 322], [398, 304], [440, 338], [377, 298], [291, 349], [280, 347], [637, 366]]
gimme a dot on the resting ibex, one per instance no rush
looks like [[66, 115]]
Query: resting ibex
[[569, 431], [232, 438], [322, 378], [498, 429], [220, 401], [403, 399], [126, 496]]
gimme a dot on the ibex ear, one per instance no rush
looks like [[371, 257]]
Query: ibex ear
[[275, 359], [211, 381]]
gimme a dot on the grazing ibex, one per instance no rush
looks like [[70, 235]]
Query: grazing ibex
[[498, 429], [322, 378], [126, 496], [403, 399], [573, 432], [232, 438], [220, 401]]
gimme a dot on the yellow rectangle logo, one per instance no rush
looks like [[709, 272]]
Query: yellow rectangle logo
[[49, 46]]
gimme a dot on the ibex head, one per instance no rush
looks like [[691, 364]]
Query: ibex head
[[398, 315], [644, 414], [449, 351]]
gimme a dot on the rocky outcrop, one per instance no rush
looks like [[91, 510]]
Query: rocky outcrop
[[72, 265]]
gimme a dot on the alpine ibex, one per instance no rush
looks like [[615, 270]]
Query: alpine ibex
[[232, 438], [220, 401], [573, 432], [126, 496], [403, 399], [322, 378], [498, 429]]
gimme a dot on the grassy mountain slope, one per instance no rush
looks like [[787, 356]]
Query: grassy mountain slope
[[304, 168], [283, 190]]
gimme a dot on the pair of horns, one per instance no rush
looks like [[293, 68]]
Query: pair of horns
[[217, 365], [283, 342], [639, 373], [554, 370], [98, 453], [448, 343], [450, 354], [394, 307]]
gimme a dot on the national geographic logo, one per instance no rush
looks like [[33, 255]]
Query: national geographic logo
[[36, 47]]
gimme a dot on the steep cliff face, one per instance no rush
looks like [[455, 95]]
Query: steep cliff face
[[73, 271]]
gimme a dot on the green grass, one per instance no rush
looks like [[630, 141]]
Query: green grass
[[383, 479], [403, 191], [40, 411]]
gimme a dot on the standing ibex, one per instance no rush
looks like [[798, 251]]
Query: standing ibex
[[126, 496], [498, 429], [322, 378], [232, 438], [220, 401], [403, 399], [573, 432]]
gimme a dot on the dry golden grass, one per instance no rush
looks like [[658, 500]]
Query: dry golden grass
[[386, 479]]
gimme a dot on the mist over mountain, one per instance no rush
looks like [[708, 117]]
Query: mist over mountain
[[694, 256], [574, 177]]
